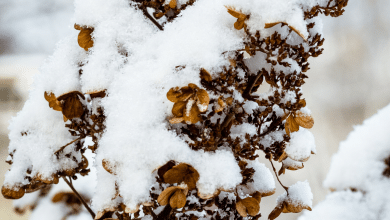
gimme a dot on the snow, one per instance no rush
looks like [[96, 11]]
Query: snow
[[301, 145], [356, 173], [299, 194]]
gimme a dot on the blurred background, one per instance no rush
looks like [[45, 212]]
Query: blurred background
[[347, 84]]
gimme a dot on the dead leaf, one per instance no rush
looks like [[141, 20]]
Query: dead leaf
[[173, 94], [11, 193]]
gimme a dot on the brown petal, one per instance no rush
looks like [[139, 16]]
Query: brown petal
[[252, 206], [239, 24], [275, 213], [176, 120], [204, 74], [53, 102], [34, 186], [61, 196], [303, 120], [241, 209], [65, 119], [193, 116], [191, 178], [194, 87], [176, 174], [11, 193], [257, 196], [295, 208], [163, 198], [85, 39], [72, 107], [182, 173], [203, 100], [282, 157], [178, 199], [291, 125], [302, 103], [178, 108], [173, 94], [97, 94], [173, 4], [235, 13], [77, 27]]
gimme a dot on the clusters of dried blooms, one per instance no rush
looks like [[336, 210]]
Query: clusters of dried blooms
[[207, 119]]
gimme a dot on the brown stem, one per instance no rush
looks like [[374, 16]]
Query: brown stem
[[80, 198], [248, 90], [63, 147], [286, 188], [146, 13]]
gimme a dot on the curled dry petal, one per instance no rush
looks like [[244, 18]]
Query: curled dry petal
[[239, 24], [205, 75], [235, 13], [9, 193], [85, 39], [53, 102], [54, 179], [303, 120], [291, 125]]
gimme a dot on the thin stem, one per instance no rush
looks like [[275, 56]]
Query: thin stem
[[286, 188], [248, 90], [63, 147], [146, 13], [80, 198]]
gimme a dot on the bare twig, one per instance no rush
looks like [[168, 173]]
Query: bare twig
[[286, 188], [248, 90], [80, 198], [63, 147], [146, 13]]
